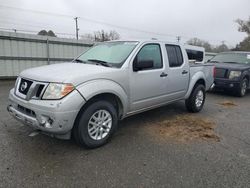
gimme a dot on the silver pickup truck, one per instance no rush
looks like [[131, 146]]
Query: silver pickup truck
[[112, 80]]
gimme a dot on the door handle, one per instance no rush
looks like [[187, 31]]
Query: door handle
[[184, 72], [163, 74]]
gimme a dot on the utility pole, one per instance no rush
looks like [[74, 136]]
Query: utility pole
[[178, 38], [77, 29], [103, 37]]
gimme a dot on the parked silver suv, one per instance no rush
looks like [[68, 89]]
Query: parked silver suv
[[112, 80]]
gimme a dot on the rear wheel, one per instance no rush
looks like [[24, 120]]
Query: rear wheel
[[196, 99], [241, 92], [96, 124]]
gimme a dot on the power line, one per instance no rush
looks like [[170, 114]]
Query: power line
[[126, 28], [178, 38], [97, 22], [89, 20], [35, 32], [31, 31], [21, 24], [36, 11], [17, 19]]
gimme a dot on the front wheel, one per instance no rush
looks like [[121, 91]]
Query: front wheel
[[96, 124], [241, 92], [196, 99]]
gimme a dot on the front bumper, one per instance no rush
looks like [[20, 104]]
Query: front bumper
[[54, 117], [226, 84]]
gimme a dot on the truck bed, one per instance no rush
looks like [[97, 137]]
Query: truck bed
[[206, 68]]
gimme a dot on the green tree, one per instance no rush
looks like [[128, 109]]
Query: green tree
[[208, 47], [51, 33], [244, 45], [46, 33], [244, 26], [42, 32], [101, 36], [221, 48]]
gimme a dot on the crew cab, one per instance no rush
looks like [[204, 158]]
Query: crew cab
[[109, 82], [232, 72]]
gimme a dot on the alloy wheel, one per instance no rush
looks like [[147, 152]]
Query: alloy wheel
[[99, 124]]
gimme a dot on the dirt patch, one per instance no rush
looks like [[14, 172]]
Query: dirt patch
[[183, 128], [228, 104]]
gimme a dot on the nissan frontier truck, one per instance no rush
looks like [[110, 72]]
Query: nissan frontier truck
[[86, 98]]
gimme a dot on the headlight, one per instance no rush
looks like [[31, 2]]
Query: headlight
[[17, 80], [57, 91], [234, 74]]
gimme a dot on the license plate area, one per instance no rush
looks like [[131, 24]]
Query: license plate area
[[26, 111]]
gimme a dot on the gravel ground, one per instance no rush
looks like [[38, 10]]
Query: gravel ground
[[134, 157]]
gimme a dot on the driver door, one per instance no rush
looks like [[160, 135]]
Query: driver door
[[148, 86]]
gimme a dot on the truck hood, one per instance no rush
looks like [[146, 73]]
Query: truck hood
[[74, 73], [232, 66]]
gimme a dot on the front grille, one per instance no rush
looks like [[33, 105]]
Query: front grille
[[39, 90], [24, 86], [220, 73], [26, 111], [27, 89]]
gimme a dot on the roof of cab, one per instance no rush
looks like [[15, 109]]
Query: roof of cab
[[145, 40], [196, 48]]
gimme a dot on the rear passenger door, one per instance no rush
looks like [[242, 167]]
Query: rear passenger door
[[178, 72]]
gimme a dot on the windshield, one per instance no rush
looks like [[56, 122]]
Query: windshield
[[242, 58], [112, 53]]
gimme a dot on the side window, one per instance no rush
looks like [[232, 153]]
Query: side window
[[175, 57], [195, 55], [151, 52]]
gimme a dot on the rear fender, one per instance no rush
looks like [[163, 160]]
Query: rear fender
[[197, 76]]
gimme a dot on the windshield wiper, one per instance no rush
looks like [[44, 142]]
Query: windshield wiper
[[79, 61], [231, 62], [212, 61], [100, 62]]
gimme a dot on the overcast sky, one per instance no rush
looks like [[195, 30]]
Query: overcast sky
[[211, 20]]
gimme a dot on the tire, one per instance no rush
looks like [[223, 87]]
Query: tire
[[95, 124], [241, 91], [196, 99]]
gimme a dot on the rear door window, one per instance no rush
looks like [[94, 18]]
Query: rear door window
[[175, 57]]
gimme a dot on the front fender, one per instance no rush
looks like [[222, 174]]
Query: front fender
[[245, 73], [197, 76], [95, 87]]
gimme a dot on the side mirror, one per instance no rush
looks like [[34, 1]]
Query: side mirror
[[209, 60], [143, 64]]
